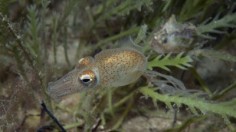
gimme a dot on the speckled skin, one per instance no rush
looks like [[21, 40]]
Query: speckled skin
[[109, 68], [119, 67]]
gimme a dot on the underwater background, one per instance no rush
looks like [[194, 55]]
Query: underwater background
[[189, 82]]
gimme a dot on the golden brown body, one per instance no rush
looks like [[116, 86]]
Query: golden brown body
[[109, 68], [119, 67]]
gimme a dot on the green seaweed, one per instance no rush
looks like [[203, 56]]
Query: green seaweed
[[180, 61], [224, 109]]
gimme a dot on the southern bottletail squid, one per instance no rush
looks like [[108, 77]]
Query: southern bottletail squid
[[109, 68]]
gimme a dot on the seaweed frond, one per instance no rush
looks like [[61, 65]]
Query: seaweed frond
[[195, 104], [228, 21], [179, 61], [121, 8], [141, 34], [33, 40], [216, 54]]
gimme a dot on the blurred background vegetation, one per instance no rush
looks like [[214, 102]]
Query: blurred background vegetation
[[189, 84]]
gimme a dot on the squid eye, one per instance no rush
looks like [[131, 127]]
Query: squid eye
[[88, 78]]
